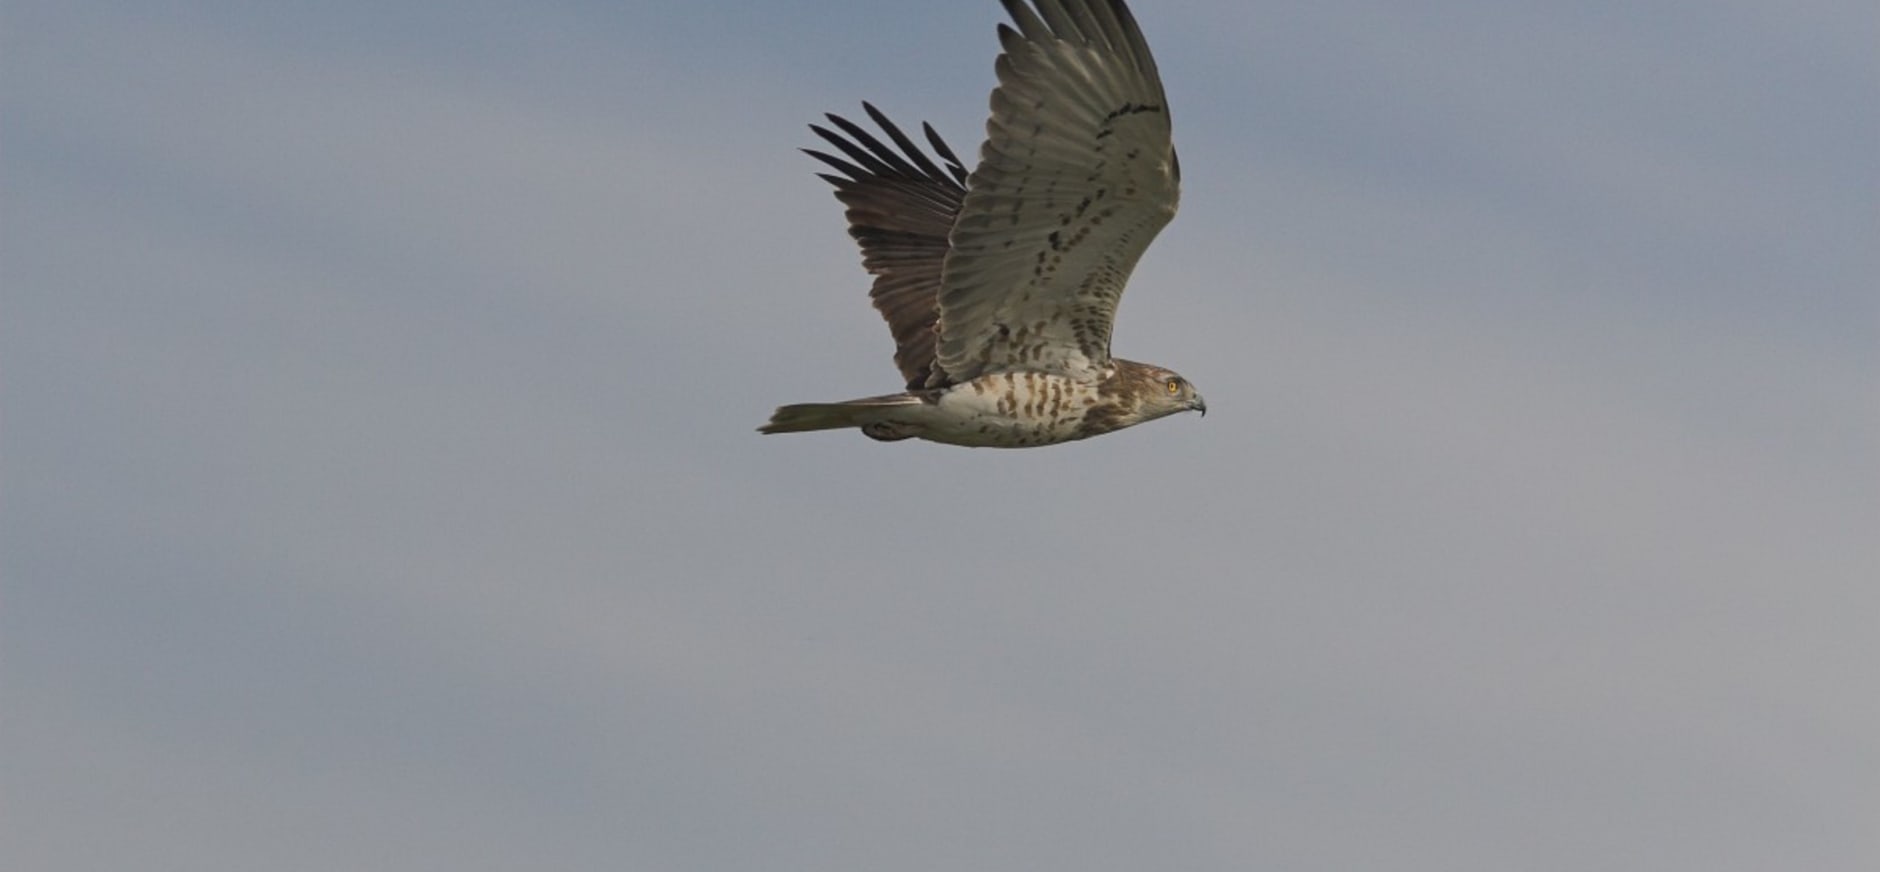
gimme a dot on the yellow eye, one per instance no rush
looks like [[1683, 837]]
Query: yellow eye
[[1174, 386]]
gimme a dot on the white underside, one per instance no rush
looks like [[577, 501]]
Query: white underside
[[1006, 410]]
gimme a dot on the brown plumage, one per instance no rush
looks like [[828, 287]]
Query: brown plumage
[[1000, 287], [900, 212]]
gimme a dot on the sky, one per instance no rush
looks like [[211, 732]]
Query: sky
[[379, 487]]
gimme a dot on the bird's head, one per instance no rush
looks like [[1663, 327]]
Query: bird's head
[[1170, 393]]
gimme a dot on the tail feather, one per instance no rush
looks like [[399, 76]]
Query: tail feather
[[805, 417]]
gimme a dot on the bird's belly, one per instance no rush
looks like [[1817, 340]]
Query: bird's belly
[[1009, 410]]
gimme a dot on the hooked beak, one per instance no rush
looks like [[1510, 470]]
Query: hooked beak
[[1199, 405]]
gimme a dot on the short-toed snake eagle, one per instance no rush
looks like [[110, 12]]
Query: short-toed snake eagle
[[1001, 287]]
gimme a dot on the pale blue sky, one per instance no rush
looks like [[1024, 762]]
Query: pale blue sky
[[379, 490]]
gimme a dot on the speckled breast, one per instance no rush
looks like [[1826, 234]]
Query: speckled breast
[[1013, 410]]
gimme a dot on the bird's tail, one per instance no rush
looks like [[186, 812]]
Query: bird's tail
[[804, 417]]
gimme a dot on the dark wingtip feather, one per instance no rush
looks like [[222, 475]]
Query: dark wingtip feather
[[955, 166], [857, 153], [867, 155], [906, 144], [853, 172]]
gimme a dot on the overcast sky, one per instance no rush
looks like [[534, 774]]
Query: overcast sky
[[379, 490]]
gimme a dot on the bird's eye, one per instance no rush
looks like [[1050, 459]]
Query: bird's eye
[[1174, 386]]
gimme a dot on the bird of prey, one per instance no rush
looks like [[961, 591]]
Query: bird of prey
[[1001, 287]]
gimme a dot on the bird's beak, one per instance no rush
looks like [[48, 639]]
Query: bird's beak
[[1200, 405]]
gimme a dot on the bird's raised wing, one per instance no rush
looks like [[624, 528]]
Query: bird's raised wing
[[901, 207], [1077, 175]]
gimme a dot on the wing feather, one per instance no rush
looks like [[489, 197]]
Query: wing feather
[[901, 206], [1076, 177]]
